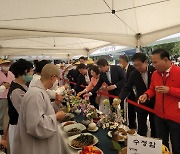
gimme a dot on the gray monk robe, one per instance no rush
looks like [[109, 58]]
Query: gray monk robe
[[37, 130]]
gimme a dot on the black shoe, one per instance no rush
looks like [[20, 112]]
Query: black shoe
[[1, 132]]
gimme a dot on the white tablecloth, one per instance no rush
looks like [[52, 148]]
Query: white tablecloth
[[64, 137]]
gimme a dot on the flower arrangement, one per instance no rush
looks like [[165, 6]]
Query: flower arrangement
[[77, 103], [114, 117], [116, 103], [90, 112]]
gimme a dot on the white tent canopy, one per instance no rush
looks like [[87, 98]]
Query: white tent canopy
[[40, 27]]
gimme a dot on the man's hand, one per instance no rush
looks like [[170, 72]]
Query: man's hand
[[80, 93], [86, 95], [6, 84], [70, 92], [3, 143], [103, 88], [162, 89], [143, 98], [60, 115], [111, 87], [66, 86], [58, 98]]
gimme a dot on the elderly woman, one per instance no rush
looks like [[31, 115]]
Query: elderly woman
[[22, 71]]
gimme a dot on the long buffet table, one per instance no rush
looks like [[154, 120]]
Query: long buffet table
[[104, 143]]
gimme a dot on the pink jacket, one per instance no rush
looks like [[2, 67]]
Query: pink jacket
[[3, 78], [92, 84]]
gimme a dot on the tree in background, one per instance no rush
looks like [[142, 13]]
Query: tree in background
[[172, 48]]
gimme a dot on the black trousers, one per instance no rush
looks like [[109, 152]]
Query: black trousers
[[142, 123], [132, 116], [164, 128]]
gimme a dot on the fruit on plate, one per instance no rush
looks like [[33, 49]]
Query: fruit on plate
[[68, 123], [90, 150]]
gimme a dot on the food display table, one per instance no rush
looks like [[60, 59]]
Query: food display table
[[104, 143]]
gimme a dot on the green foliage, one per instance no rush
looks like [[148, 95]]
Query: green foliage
[[172, 48], [116, 146]]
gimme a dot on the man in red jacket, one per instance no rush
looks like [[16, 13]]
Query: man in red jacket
[[165, 85]]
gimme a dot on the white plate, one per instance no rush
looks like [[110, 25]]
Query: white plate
[[93, 130], [77, 125], [69, 115], [110, 135], [62, 124], [95, 147], [75, 136], [125, 136]]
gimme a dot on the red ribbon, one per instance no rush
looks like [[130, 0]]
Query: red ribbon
[[164, 116]]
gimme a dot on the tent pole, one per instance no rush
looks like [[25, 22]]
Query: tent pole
[[138, 44], [68, 58]]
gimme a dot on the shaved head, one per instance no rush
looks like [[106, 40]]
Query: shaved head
[[49, 70]]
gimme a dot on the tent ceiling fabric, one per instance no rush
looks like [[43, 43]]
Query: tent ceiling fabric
[[30, 25]]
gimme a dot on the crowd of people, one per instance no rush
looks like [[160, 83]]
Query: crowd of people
[[33, 98]]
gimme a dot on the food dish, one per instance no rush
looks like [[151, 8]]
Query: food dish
[[123, 134], [96, 151], [72, 138], [68, 123], [121, 137], [126, 128], [132, 132], [93, 130], [77, 129], [68, 117]]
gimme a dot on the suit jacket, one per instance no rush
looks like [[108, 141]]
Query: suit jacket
[[81, 81], [135, 79], [73, 75], [130, 69], [118, 78]]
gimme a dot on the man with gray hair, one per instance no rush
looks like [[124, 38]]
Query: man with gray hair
[[37, 130], [124, 63]]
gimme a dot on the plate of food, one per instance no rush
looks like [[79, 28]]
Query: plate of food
[[68, 117], [90, 149], [122, 133], [121, 138], [81, 140], [74, 129], [63, 124]]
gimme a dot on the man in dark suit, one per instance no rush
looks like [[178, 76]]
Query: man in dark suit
[[113, 76], [140, 78], [124, 63], [73, 76], [83, 78]]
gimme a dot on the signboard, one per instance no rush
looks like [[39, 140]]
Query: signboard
[[143, 145]]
